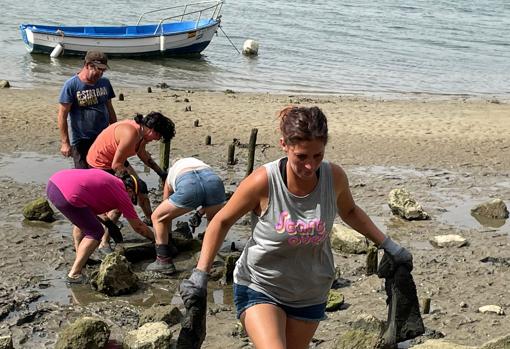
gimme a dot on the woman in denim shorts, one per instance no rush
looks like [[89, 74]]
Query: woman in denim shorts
[[190, 184], [284, 274]]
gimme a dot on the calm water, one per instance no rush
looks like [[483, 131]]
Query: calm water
[[384, 47]]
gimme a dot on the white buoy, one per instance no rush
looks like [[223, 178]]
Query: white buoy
[[250, 48], [57, 51], [162, 43]]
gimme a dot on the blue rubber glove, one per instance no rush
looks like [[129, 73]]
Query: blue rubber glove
[[398, 253], [195, 286]]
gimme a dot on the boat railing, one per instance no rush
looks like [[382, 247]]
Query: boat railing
[[215, 6]]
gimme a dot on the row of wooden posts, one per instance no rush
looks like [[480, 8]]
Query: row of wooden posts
[[164, 151]]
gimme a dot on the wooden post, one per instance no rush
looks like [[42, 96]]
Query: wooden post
[[196, 123], [164, 156], [149, 89], [426, 306], [208, 140], [372, 260], [231, 151], [251, 151], [121, 96]]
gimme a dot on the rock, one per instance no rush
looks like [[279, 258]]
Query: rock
[[403, 205], [6, 342], [440, 344], [86, 332], [115, 276], [347, 240], [4, 84], [335, 300], [250, 48], [153, 335], [169, 314], [38, 210], [498, 343], [494, 209], [496, 309], [364, 334], [449, 240]]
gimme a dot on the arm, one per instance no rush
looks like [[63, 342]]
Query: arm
[[146, 158], [63, 111], [111, 112], [250, 195], [350, 213], [141, 228]]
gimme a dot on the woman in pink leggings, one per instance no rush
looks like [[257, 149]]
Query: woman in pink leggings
[[83, 194]]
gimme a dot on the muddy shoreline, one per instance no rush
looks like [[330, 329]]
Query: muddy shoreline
[[451, 155]]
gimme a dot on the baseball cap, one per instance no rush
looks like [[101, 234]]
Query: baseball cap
[[97, 58]]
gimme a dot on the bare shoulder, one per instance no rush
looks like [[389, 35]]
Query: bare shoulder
[[126, 131], [339, 177], [256, 182]]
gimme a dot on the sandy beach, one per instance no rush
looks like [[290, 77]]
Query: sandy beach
[[450, 153]]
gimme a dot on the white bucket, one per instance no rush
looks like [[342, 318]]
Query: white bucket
[[57, 51]]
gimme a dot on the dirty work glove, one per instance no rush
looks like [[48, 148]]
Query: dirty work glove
[[113, 230], [398, 253], [195, 286], [195, 220]]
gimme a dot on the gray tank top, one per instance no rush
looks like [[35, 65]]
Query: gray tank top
[[288, 256]]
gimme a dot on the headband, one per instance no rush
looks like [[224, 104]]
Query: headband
[[136, 183]]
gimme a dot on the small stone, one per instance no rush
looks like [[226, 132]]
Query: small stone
[[496, 309]]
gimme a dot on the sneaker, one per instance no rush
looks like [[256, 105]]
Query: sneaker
[[160, 265], [76, 280]]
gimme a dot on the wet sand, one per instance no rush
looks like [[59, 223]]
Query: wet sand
[[449, 153]]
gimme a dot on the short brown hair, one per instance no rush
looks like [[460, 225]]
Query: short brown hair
[[303, 124]]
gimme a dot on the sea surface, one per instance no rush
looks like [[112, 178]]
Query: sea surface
[[360, 47]]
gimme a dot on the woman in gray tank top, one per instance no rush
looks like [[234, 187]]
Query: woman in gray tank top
[[284, 274]]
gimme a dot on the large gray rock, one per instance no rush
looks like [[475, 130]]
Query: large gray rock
[[6, 342], [169, 314], [364, 334], [152, 335], [38, 210], [115, 276], [347, 240], [494, 209], [87, 332], [403, 205]]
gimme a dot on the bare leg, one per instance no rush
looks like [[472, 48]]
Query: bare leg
[[211, 211], [85, 249], [269, 327], [77, 237], [265, 325], [162, 218]]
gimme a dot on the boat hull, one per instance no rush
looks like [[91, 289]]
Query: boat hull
[[40, 39]]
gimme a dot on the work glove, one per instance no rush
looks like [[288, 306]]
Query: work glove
[[114, 231], [398, 254], [195, 286], [195, 220]]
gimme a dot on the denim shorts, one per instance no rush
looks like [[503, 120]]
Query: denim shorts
[[198, 188], [245, 297]]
